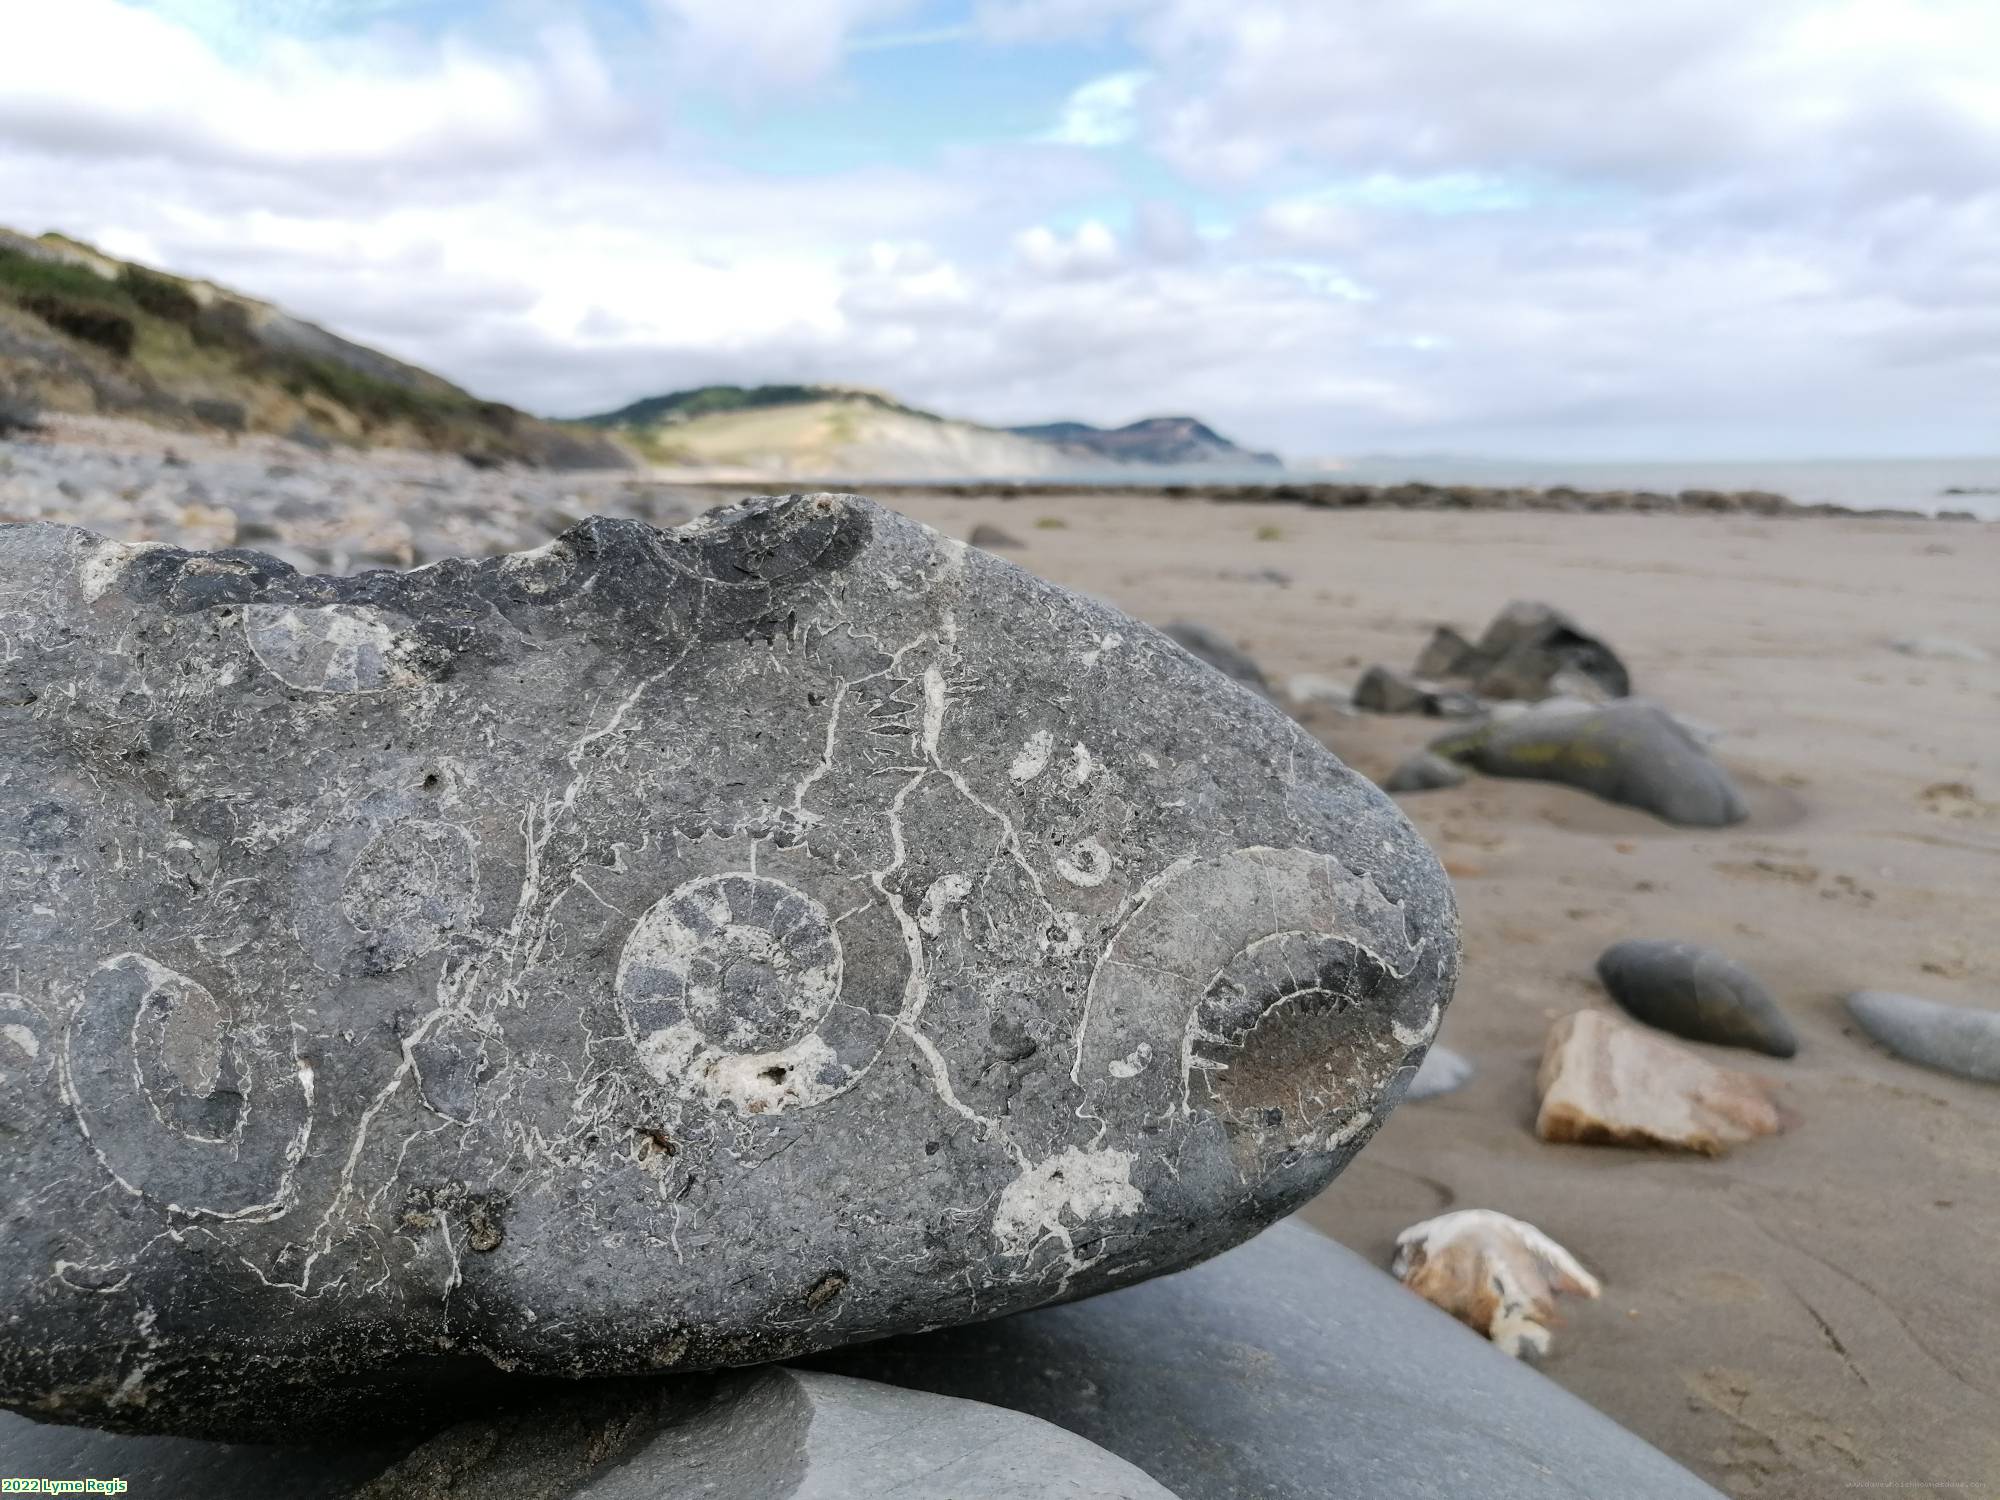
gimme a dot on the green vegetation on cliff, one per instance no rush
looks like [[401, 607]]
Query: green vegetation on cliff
[[139, 342]]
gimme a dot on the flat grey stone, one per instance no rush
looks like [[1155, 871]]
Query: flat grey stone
[[1424, 772], [771, 1434], [1950, 1038], [658, 950], [1442, 1072], [1630, 753], [1289, 1369], [169, 1466], [1697, 993], [1212, 646]]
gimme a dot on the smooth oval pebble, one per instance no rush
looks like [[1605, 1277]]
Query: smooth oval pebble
[[657, 950], [1697, 993], [1950, 1038]]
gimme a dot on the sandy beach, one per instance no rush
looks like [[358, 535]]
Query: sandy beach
[[1812, 1312]]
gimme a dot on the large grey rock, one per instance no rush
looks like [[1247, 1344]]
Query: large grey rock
[[771, 1434], [1215, 648], [1632, 753], [1289, 1369], [1444, 654], [1533, 650], [652, 951], [1697, 993], [1951, 1038]]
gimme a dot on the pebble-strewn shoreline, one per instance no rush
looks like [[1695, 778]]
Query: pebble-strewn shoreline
[[344, 512], [320, 512], [1419, 496]]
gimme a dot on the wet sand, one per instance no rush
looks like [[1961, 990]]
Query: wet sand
[[1814, 1311]]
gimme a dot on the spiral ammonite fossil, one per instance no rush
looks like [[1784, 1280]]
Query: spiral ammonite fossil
[[1270, 987], [379, 889], [183, 1102], [743, 988]]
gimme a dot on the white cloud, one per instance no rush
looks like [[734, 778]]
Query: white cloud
[[1643, 95], [1539, 228], [1092, 250], [752, 44], [151, 87], [1102, 112], [1052, 20]]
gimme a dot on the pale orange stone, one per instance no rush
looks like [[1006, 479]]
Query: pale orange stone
[[1604, 1082]]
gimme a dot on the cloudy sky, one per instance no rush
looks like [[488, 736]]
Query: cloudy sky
[[1538, 228]]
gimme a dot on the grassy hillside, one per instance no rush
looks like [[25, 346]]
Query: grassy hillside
[[711, 400], [80, 331], [820, 432]]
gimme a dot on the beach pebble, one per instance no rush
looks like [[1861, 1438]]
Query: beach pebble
[[993, 539], [1629, 753], [769, 1434], [1424, 772], [1450, 703], [1532, 650], [1311, 690], [1384, 690], [1941, 648], [1497, 1274], [1212, 646], [1441, 1072], [1605, 1082], [615, 957], [1697, 993], [1444, 655], [1951, 1038]]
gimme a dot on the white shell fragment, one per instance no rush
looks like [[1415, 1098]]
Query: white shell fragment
[[1499, 1275]]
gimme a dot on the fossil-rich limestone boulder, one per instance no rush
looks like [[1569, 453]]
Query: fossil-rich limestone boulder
[[658, 950]]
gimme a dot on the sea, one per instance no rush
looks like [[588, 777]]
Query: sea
[[1922, 485]]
